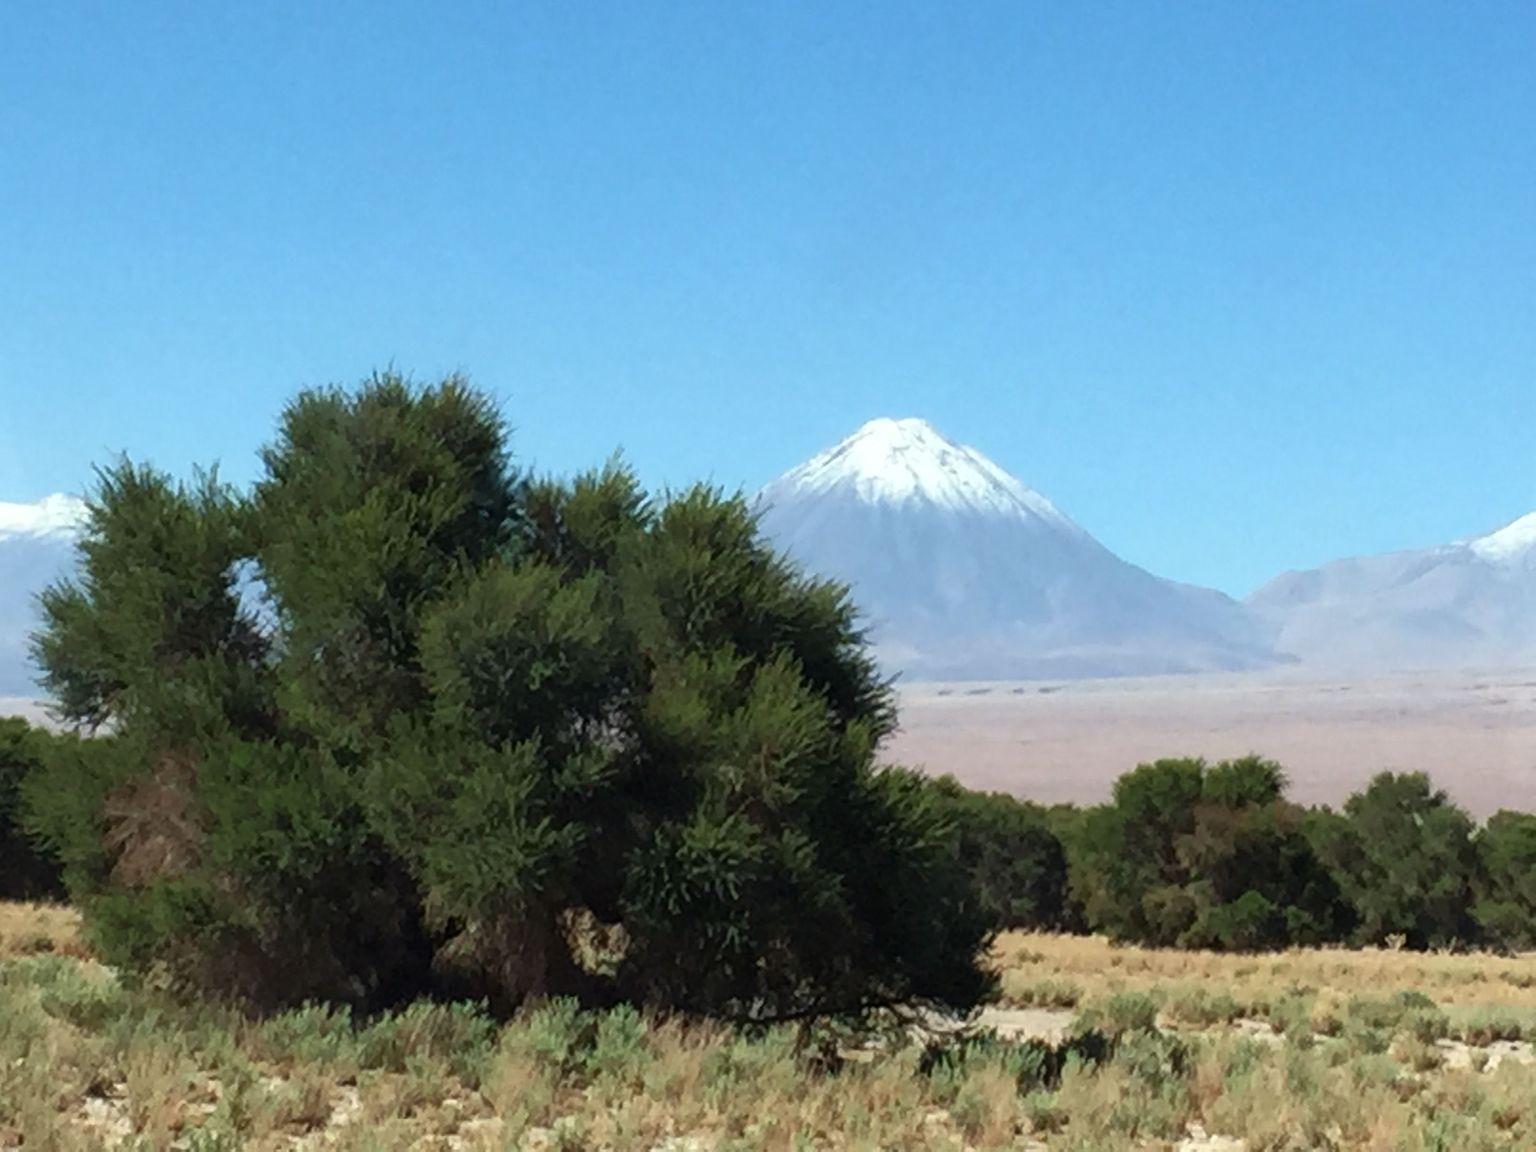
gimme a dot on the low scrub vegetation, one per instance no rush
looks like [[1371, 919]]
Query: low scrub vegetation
[[1253, 1058]]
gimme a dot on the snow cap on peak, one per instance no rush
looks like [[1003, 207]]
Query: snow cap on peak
[[51, 516], [910, 461], [1514, 540]]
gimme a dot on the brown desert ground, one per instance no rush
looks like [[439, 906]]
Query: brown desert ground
[[1474, 733]]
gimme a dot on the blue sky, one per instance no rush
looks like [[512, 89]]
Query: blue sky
[[1240, 287]]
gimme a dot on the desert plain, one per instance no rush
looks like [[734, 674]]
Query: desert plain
[[1066, 741]]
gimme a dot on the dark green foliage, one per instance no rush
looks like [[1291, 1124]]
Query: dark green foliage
[[1405, 857], [28, 871], [1126, 870], [482, 736], [153, 632], [1259, 883], [1015, 860], [1506, 900], [1204, 857]]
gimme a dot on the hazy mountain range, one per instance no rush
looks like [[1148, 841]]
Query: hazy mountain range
[[963, 572]]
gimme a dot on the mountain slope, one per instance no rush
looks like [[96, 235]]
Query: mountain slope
[[37, 543], [1457, 605], [965, 573]]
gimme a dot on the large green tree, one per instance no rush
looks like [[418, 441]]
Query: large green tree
[[402, 720]]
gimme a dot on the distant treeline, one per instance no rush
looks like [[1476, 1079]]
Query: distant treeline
[[1194, 855], [1185, 855]]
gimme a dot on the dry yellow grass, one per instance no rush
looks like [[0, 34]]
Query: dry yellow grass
[[1034, 967], [29, 929], [88, 1063]]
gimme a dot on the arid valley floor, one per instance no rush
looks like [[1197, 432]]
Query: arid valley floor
[[1474, 733]]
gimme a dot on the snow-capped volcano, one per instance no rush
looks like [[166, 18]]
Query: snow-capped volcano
[[37, 547], [1514, 543], [911, 462], [964, 572], [57, 515], [1463, 604]]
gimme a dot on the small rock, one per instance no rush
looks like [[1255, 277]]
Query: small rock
[[1199, 1140]]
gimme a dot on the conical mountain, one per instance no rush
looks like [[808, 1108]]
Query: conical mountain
[[964, 572]]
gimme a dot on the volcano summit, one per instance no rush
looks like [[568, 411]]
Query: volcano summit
[[964, 572]]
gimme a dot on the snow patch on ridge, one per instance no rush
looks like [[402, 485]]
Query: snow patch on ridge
[[57, 515], [1509, 543], [909, 461]]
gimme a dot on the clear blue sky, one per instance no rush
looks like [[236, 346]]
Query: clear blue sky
[[1241, 287]]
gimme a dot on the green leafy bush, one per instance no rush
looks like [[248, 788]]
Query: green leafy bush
[[1198, 856], [402, 721], [1406, 858], [1506, 899], [28, 870], [1016, 862]]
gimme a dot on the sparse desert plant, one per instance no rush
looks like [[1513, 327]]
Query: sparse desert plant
[[1417, 1053], [1195, 1006], [1388, 1014], [1123, 1012], [1488, 1025], [1046, 993]]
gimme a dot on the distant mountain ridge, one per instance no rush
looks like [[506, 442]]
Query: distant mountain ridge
[[1467, 604], [964, 572], [37, 547]]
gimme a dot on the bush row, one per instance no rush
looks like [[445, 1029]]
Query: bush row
[[1194, 855], [1185, 855]]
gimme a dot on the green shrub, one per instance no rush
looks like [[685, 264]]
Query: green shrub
[[1506, 898], [1122, 1013], [1405, 857], [28, 869], [391, 723], [1016, 862], [1199, 856]]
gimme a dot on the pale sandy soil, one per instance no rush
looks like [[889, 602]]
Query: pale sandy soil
[[1475, 734]]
